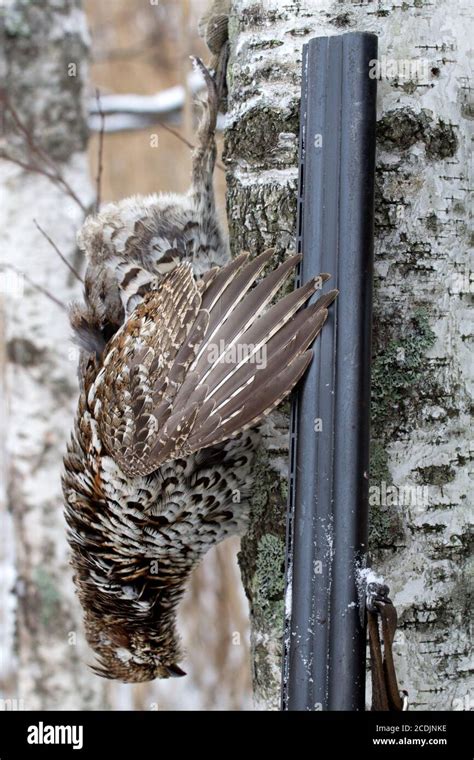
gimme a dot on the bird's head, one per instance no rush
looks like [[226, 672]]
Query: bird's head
[[126, 667], [135, 657]]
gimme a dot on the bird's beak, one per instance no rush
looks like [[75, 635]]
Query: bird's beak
[[174, 671]]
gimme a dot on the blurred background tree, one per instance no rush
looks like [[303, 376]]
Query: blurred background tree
[[140, 48]]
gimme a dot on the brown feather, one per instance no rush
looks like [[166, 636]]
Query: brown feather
[[161, 396]]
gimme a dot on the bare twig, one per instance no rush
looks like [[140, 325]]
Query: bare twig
[[185, 141], [55, 178], [100, 151], [35, 286], [61, 255], [53, 173], [34, 148], [176, 134]]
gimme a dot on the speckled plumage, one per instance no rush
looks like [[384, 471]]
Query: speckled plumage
[[159, 465]]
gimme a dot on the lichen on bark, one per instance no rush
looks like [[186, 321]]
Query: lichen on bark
[[420, 401], [262, 562]]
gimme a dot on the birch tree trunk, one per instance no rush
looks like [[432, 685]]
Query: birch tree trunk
[[419, 463], [43, 59]]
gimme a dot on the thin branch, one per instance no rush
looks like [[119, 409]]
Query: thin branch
[[176, 134], [100, 151], [34, 148], [61, 255], [185, 141], [54, 178], [53, 173], [28, 167], [36, 286]]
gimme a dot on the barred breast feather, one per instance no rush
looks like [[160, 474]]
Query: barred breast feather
[[159, 466]]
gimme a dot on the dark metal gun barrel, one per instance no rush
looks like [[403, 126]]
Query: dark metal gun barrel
[[324, 663]]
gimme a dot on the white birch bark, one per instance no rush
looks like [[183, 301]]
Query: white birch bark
[[419, 539]]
